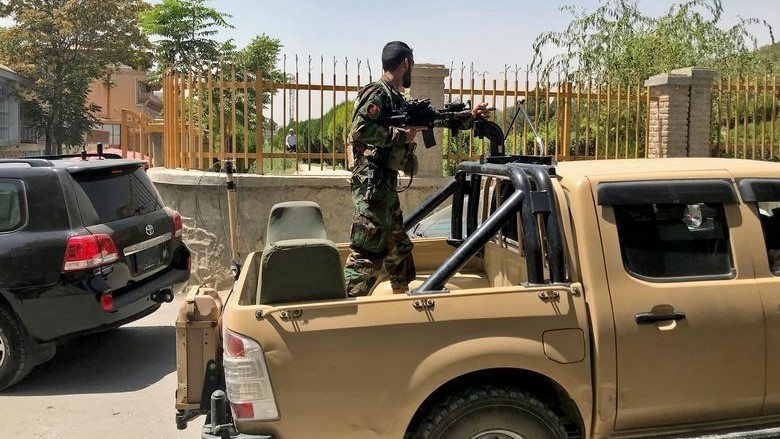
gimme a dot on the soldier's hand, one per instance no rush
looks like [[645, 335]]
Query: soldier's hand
[[481, 111], [411, 132]]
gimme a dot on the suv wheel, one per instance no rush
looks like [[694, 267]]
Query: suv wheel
[[491, 412], [14, 352]]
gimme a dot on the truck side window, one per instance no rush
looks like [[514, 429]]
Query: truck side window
[[769, 213], [11, 206], [674, 240]]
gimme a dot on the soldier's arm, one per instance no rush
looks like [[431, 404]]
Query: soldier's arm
[[366, 128]]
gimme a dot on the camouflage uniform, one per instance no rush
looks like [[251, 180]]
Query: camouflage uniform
[[377, 239]]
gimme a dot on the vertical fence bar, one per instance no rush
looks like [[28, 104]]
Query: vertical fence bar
[[730, 100], [322, 112], [524, 135], [547, 113], [598, 118], [773, 119], [233, 123], [755, 119], [182, 123], [506, 98], [763, 119], [308, 115], [201, 159], [285, 118], [628, 117], [536, 113], [514, 126], [210, 91], [333, 134], [272, 88], [222, 136], [245, 137], [638, 120], [746, 84], [190, 122], [297, 117], [471, 97], [588, 101], [647, 121], [259, 122], [608, 122], [578, 116], [343, 135], [719, 115], [617, 121]]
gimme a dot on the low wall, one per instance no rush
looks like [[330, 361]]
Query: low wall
[[201, 199]]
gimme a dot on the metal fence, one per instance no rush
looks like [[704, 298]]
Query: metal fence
[[576, 118], [745, 123], [214, 114]]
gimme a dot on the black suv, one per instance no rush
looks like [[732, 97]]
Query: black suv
[[86, 245]]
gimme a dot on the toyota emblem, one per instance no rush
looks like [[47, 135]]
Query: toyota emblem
[[149, 230]]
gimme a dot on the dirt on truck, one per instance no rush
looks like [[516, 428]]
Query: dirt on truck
[[614, 298]]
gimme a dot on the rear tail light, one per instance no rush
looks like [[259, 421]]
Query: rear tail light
[[89, 251], [178, 227], [246, 379]]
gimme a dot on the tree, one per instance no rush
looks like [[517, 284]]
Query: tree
[[619, 42], [184, 29], [62, 46]]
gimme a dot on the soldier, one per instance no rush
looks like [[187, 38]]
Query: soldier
[[377, 237]]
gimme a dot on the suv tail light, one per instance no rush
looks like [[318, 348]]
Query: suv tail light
[[177, 223], [246, 379], [89, 251]]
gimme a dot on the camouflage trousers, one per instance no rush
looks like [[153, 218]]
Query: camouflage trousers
[[377, 240]]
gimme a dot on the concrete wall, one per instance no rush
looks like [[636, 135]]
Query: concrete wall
[[201, 198]]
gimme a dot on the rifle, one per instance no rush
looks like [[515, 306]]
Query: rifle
[[419, 112]]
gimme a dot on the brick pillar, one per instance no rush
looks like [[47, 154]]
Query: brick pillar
[[700, 110], [680, 111], [428, 82]]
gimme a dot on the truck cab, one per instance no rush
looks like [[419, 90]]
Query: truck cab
[[617, 298]]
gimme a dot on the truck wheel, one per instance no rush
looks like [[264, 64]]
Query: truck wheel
[[491, 412], [14, 359]]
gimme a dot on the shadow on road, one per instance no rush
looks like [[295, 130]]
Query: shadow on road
[[127, 359]]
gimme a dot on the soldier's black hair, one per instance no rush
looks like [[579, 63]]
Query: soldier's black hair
[[394, 54]]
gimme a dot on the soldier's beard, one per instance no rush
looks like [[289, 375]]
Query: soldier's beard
[[407, 79]]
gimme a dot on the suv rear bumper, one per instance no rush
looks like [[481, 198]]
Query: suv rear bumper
[[68, 311]]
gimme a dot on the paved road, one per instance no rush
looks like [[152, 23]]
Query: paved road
[[116, 385]]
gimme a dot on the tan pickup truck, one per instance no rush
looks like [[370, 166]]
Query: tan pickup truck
[[619, 298]]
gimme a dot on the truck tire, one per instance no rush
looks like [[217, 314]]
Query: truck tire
[[491, 412], [14, 350]]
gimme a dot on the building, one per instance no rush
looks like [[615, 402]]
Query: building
[[15, 139], [125, 89]]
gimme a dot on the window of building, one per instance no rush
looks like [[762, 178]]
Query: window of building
[[114, 133], [660, 241]]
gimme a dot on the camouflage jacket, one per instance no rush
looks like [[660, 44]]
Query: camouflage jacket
[[374, 101]]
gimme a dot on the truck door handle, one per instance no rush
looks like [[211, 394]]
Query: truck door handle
[[651, 317]]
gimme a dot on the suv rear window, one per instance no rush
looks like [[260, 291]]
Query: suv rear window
[[12, 211], [115, 194]]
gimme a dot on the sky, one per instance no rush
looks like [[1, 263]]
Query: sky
[[487, 33]]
